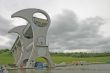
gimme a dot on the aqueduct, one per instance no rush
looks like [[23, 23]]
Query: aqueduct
[[31, 40]]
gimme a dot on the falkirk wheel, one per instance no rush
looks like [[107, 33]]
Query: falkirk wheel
[[31, 41]]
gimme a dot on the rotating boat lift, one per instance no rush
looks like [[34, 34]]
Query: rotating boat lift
[[32, 38]]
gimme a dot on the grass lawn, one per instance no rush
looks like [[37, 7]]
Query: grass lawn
[[6, 58], [59, 59]]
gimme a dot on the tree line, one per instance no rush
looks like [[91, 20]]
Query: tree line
[[76, 54], [81, 54], [4, 50]]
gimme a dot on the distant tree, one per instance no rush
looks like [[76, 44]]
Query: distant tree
[[4, 50], [82, 54]]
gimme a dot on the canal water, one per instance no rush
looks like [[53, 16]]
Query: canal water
[[93, 68]]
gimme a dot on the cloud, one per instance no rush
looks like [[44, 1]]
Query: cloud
[[5, 38], [67, 32], [8, 8], [4, 25]]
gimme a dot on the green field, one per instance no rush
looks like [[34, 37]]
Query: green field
[[6, 58], [59, 59]]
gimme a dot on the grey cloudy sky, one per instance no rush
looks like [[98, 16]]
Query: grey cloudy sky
[[77, 25]]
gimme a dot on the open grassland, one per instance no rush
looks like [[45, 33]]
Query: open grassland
[[59, 59], [7, 58]]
